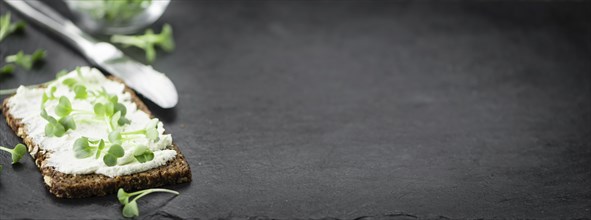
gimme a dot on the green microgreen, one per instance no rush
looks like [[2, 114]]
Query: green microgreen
[[64, 107], [100, 147], [24, 60], [54, 127], [7, 69], [143, 154], [148, 41], [49, 94], [111, 111], [114, 153], [130, 208], [115, 137], [6, 28], [83, 148], [76, 86], [17, 152], [68, 122]]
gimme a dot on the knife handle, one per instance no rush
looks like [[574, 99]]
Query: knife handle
[[50, 19]]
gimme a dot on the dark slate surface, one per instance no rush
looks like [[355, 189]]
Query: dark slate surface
[[392, 110]]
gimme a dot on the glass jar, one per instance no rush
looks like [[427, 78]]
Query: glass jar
[[116, 16]]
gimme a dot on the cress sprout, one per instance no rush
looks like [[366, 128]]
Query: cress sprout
[[24, 60], [143, 154], [114, 153], [54, 127], [17, 152], [130, 208], [7, 28], [148, 41], [6, 69], [83, 148], [76, 86]]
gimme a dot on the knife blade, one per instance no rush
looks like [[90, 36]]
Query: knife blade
[[143, 78]]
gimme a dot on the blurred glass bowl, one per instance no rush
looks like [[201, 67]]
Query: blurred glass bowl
[[116, 16]]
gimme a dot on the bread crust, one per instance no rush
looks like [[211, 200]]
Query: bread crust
[[86, 185]]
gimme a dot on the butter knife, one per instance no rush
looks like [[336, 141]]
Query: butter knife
[[144, 79]]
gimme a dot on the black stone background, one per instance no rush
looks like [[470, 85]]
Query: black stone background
[[347, 109]]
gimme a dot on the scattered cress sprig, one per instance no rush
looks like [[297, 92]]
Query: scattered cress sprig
[[21, 59], [17, 152], [7, 28], [148, 41], [130, 208]]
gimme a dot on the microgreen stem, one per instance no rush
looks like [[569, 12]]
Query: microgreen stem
[[134, 132], [79, 111], [148, 191], [109, 126], [88, 120]]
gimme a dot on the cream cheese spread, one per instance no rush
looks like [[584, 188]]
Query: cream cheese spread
[[25, 105]]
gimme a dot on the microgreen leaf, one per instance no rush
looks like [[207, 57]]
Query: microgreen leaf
[[70, 82], [80, 91], [109, 109], [123, 121], [16, 153], [110, 160], [116, 150], [64, 107], [37, 55], [44, 114], [114, 99], [130, 209], [52, 92], [68, 122], [6, 69], [19, 151], [115, 137], [120, 108], [44, 99], [99, 109], [82, 149], [54, 128], [7, 28], [101, 146], [143, 154], [122, 196], [115, 120]]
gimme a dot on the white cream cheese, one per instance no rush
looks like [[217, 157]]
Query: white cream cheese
[[26, 105]]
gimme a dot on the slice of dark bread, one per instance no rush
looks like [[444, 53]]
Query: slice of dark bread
[[78, 186]]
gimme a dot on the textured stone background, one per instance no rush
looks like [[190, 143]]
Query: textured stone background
[[346, 109]]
